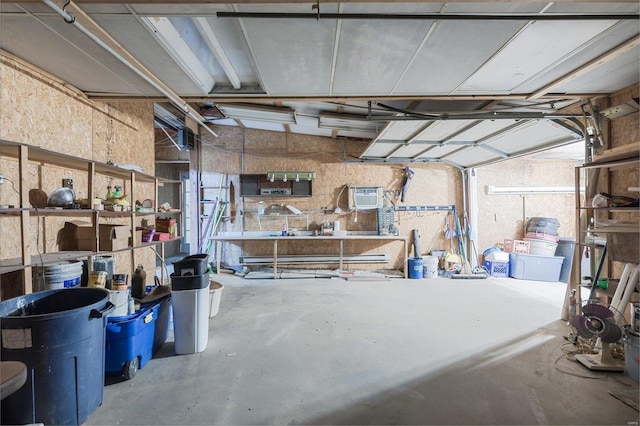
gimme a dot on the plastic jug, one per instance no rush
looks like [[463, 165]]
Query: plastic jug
[[138, 282]]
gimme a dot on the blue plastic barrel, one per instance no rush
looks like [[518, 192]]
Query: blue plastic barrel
[[416, 266], [60, 336]]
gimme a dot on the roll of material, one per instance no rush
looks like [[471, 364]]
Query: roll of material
[[336, 225]]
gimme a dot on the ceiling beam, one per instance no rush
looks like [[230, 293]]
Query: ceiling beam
[[210, 38], [588, 67], [206, 2], [85, 24], [168, 37], [263, 98], [432, 16]]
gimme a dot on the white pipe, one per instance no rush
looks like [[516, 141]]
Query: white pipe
[[628, 267], [628, 291], [175, 99]]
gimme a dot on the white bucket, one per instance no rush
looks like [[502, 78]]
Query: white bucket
[[215, 295], [120, 299], [542, 247], [58, 276], [430, 268]]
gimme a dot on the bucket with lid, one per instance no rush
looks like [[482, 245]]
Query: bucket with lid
[[430, 268], [416, 266], [58, 276]]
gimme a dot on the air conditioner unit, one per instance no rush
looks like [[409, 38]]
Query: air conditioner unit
[[186, 138], [365, 197]]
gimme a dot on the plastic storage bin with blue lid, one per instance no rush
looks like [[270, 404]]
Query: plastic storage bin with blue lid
[[131, 339]]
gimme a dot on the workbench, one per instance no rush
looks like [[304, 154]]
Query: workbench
[[340, 239]]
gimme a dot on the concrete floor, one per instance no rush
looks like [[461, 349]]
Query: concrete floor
[[330, 351]]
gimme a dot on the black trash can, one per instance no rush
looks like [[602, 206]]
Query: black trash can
[[60, 336], [195, 264]]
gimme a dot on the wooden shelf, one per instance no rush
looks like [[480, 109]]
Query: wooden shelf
[[28, 156], [171, 161], [15, 264]]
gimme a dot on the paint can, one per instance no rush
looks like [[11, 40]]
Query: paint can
[[97, 279], [119, 282], [416, 267]]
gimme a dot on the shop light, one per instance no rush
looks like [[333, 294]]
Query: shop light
[[522, 190], [286, 176], [258, 113], [348, 122]]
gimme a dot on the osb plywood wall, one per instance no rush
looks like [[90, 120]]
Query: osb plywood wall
[[38, 110], [624, 130], [505, 216]]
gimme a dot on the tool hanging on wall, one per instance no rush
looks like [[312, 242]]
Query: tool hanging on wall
[[408, 175]]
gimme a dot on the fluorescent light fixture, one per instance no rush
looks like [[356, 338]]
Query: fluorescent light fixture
[[285, 176], [621, 110], [258, 113], [167, 117], [523, 190], [350, 122], [172, 42]]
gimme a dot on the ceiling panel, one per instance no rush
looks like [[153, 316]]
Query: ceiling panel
[[129, 32], [61, 50], [372, 55], [482, 129], [443, 130], [293, 57], [532, 135], [430, 72], [470, 157], [614, 36], [533, 51], [623, 70]]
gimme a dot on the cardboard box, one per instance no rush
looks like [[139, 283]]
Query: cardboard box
[[87, 245], [161, 236], [81, 235], [80, 229], [136, 239], [113, 237], [166, 225]]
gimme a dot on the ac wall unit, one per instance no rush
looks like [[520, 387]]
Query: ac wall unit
[[186, 139], [365, 197]]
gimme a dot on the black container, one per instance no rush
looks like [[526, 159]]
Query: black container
[[60, 336], [196, 264], [189, 282]]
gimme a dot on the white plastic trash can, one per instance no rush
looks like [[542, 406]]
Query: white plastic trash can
[[190, 301], [215, 295]]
